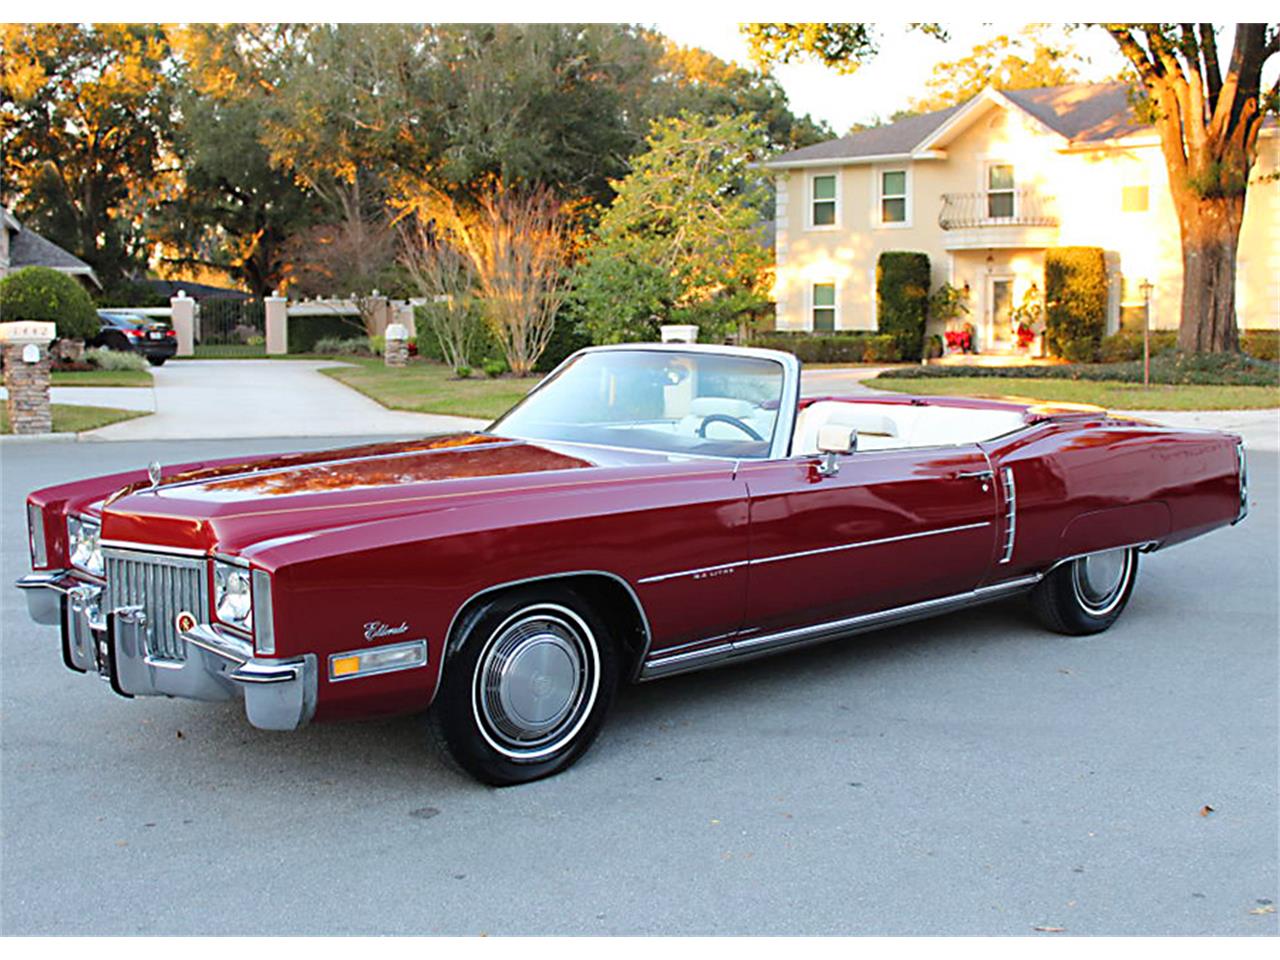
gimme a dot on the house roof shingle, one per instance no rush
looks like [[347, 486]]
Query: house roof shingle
[[1086, 113]]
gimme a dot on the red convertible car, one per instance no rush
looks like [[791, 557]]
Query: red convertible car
[[647, 510]]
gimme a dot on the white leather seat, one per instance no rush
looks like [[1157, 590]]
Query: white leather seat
[[876, 429]]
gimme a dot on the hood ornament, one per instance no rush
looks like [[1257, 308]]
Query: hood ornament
[[153, 473]]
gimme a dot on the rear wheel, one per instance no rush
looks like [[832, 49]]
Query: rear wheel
[[526, 686], [157, 361], [1088, 594]]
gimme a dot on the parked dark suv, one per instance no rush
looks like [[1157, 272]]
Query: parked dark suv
[[154, 339]]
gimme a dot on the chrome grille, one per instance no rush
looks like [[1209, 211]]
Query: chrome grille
[[164, 586]]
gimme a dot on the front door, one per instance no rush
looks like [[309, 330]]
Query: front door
[[892, 527], [1000, 314]]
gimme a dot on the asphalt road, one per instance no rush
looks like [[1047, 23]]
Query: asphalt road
[[971, 775]]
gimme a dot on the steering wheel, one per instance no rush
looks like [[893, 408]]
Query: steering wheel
[[732, 421]]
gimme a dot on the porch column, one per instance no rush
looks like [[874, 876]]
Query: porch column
[[183, 318], [277, 310]]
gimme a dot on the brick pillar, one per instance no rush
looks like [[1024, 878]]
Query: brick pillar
[[396, 352], [26, 375], [183, 318], [277, 310]]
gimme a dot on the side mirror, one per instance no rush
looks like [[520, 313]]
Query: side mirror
[[834, 441]]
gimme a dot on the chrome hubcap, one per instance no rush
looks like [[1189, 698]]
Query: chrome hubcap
[[1100, 579], [536, 682]]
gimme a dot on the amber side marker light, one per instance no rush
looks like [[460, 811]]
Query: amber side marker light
[[364, 663]]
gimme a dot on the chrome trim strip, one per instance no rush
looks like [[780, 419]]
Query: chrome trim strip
[[254, 672], [230, 560], [690, 573], [153, 548], [835, 629], [1142, 546], [869, 543], [809, 553], [1243, 474], [213, 640], [644, 617], [1010, 514]]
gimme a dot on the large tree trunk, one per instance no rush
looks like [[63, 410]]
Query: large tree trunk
[[1210, 235]]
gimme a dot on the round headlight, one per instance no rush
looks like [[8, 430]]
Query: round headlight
[[233, 595], [83, 536]]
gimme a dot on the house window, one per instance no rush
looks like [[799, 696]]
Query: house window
[[1135, 199], [1000, 196], [893, 196], [824, 306], [824, 200]]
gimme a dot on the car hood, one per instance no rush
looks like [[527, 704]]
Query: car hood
[[231, 505]]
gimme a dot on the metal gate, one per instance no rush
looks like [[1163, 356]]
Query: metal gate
[[231, 322]]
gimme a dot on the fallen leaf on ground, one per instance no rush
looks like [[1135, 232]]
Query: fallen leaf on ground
[[1206, 810], [1050, 929], [1259, 911]]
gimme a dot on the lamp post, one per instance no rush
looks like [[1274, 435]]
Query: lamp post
[[1146, 288]]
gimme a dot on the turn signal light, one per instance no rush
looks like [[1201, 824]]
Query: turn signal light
[[363, 663]]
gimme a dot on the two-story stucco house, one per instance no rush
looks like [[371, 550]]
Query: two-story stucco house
[[985, 189]]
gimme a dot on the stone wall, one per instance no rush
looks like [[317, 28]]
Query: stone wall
[[28, 386]]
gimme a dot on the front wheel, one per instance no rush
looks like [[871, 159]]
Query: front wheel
[[526, 686], [157, 361], [1088, 594]]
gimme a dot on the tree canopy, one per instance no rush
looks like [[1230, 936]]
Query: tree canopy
[[682, 242]]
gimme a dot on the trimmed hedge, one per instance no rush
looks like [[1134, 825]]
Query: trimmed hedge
[[1127, 345], [854, 347], [1226, 369], [42, 293], [1075, 296], [566, 338], [1261, 344], [902, 298], [305, 332]]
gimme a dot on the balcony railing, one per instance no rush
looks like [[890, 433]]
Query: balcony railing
[[996, 208]]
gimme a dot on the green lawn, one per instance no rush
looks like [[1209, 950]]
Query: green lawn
[[424, 387], [72, 419], [101, 378], [1112, 394]]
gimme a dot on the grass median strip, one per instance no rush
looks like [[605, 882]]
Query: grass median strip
[[423, 387], [73, 419], [1112, 394], [101, 378]]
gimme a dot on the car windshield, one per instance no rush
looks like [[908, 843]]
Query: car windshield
[[695, 403]]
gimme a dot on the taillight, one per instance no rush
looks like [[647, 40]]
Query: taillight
[[170, 333]]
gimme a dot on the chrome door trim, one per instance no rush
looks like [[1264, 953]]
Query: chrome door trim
[[655, 578], [869, 543], [820, 632], [153, 548]]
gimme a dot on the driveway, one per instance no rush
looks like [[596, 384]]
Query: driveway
[[207, 399]]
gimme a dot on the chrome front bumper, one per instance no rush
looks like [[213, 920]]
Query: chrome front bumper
[[278, 694]]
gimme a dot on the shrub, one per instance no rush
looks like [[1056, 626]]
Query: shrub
[[1075, 287], [565, 339], [343, 346], [105, 359], [902, 298], [463, 372], [851, 347], [1228, 369], [1127, 345], [493, 368], [42, 293], [1261, 344], [483, 344], [305, 333]]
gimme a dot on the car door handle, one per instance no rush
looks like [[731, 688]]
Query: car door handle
[[974, 475]]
